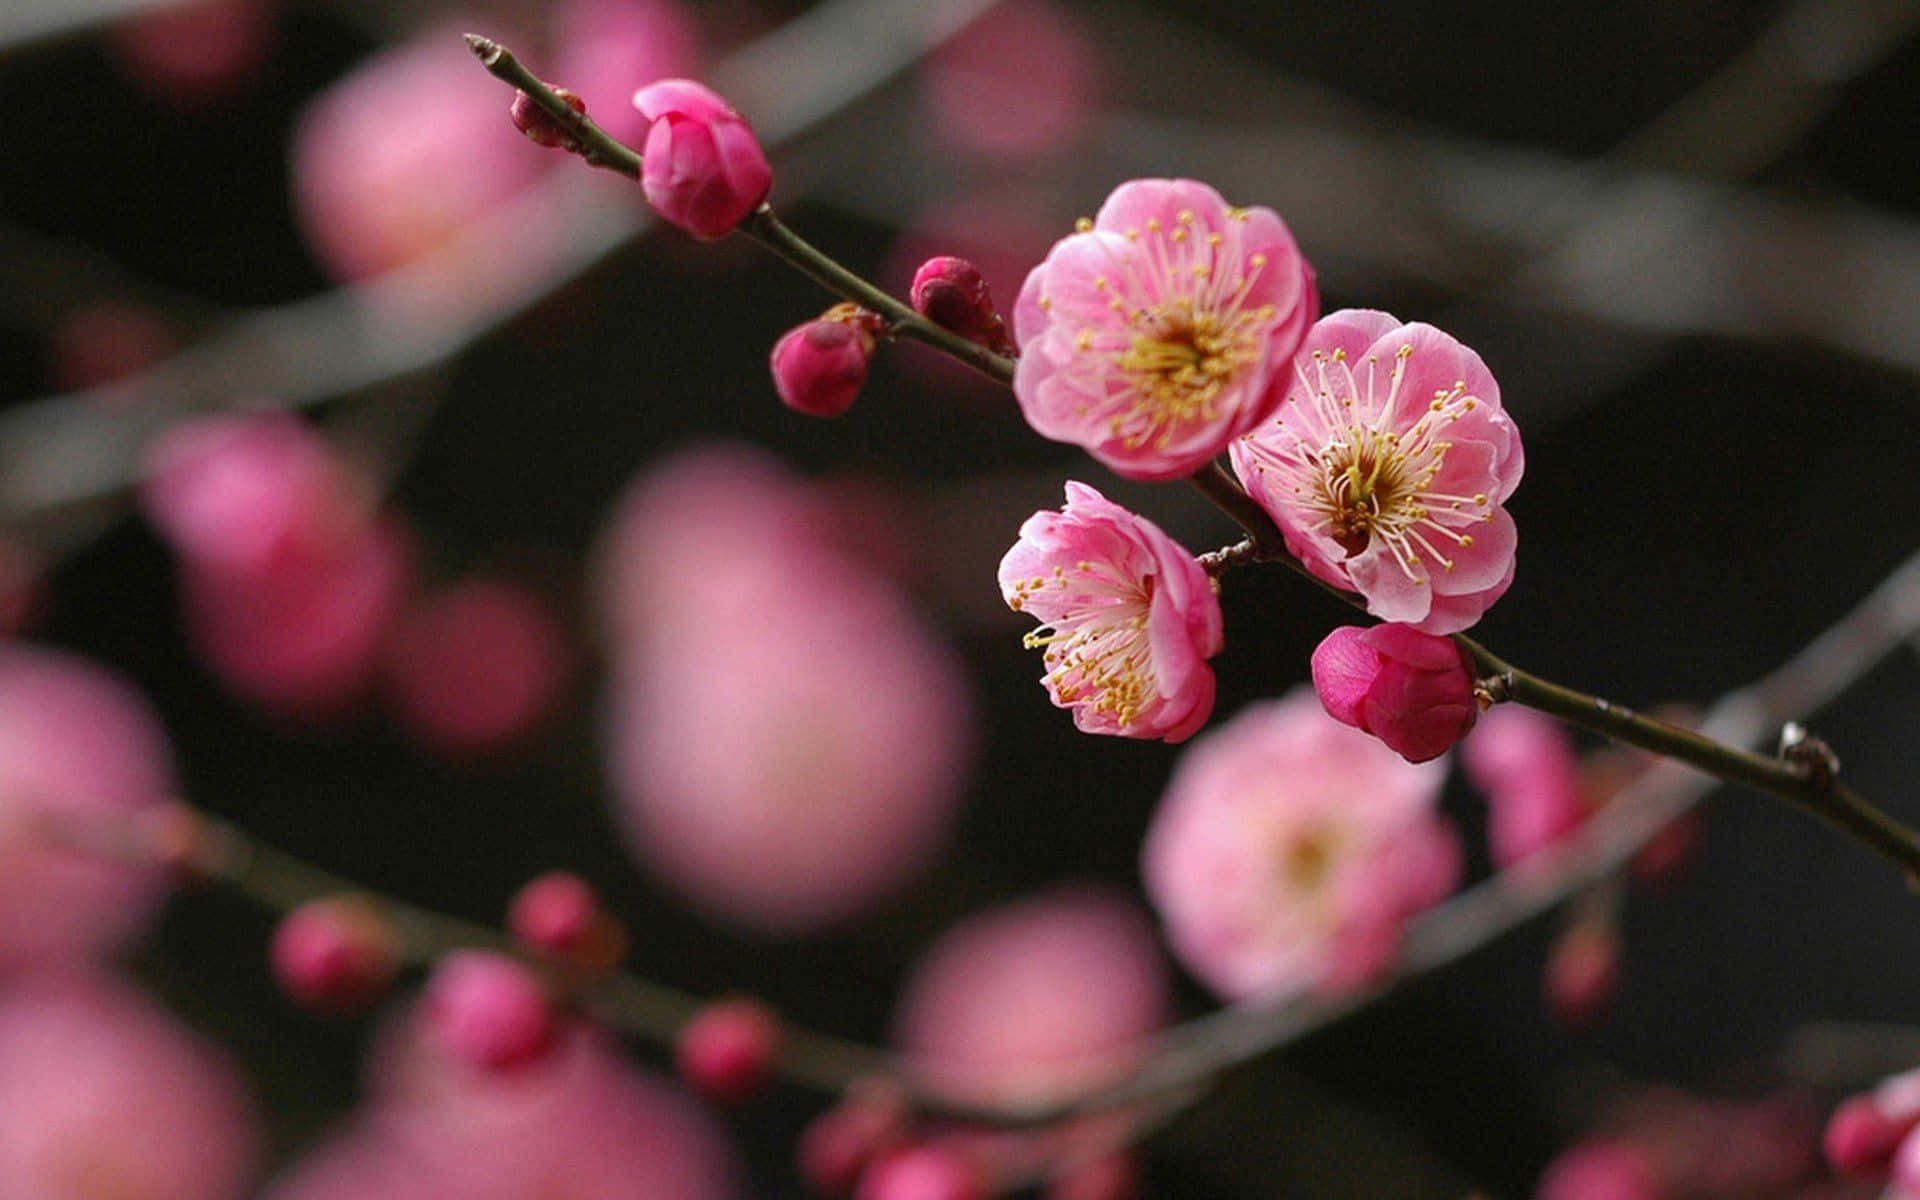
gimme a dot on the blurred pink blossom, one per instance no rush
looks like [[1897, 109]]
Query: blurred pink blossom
[[106, 1095], [580, 1121], [100, 343], [1600, 1170], [1021, 81], [1289, 850], [1128, 618], [1524, 763], [195, 52], [475, 667], [76, 745], [290, 584], [704, 170], [790, 772], [924, 1172], [604, 49], [1412, 690], [1386, 469], [1164, 330], [393, 160], [1054, 992]]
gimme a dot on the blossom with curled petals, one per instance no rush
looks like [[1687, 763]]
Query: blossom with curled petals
[[1128, 618], [1386, 468], [1163, 329]]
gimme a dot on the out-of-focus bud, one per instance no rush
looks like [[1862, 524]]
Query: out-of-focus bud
[[1583, 972], [475, 668], [704, 170], [542, 127], [1412, 690], [334, 955], [952, 293], [838, 1144], [727, 1051], [1599, 1171], [923, 1173], [560, 916], [820, 367], [1116, 1177], [487, 1011]]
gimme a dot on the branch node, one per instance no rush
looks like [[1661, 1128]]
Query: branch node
[[1810, 756]]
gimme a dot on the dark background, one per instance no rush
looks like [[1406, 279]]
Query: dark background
[[1697, 504]]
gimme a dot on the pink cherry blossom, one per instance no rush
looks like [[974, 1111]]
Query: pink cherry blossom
[[1386, 469], [290, 583], [1289, 850], [195, 52], [704, 170], [476, 667], [789, 773], [1163, 329], [579, 1121], [1524, 763], [1128, 618], [602, 49], [1019, 82], [106, 1095], [76, 745], [1054, 992], [1412, 690], [395, 159]]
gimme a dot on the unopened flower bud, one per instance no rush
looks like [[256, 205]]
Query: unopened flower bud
[[923, 1173], [1412, 690], [542, 127], [558, 915], [727, 1051], [1605, 1170], [953, 294], [820, 367], [488, 1011], [335, 955], [703, 168]]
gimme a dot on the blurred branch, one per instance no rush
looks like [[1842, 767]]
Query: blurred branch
[[64, 459]]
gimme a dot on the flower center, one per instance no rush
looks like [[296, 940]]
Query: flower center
[[1306, 860], [1358, 481], [1094, 639]]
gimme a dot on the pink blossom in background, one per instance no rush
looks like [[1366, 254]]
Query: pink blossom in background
[[106, 1095], [76, 745], [397, 157], [1600, 1171], [1524, 763], [1054, 992], [581, 1121], [476, 667], [704, 170], [1412, 690], [787, 742], [1289, 850], [290, 584], [604, 49], [196, 52], [1128, 618], [1387, 467], [1021, 81], [1164, 330]]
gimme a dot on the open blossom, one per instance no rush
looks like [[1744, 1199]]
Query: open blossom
[[1129, 618], [1412, 690], [1163, 329], [1386, 468], [1290, 850]]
